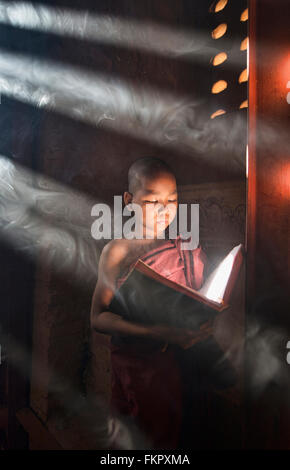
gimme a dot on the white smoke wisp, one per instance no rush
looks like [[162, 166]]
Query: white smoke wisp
[[143, 112], [42, 217], [266, 365], [103, 429], [107, 29], [271, 136], [94, 98]]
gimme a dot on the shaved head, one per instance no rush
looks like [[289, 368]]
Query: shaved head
[[146, 168]]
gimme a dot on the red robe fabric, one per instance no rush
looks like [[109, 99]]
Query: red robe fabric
[[146, 380]]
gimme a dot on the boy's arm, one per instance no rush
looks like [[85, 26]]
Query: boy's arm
[[101, 318], [110, 323]]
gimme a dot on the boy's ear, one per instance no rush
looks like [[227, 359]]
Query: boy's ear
[[127, 197]]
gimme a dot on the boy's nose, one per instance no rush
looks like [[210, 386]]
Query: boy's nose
[[161, 209]]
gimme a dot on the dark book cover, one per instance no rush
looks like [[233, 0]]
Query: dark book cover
[[147, 297]]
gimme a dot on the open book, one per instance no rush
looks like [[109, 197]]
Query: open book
[[148, 297]]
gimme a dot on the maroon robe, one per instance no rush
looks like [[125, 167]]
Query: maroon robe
[[146, 380]]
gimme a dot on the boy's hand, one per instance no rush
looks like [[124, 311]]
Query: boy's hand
[[184, 337], [206, 330]]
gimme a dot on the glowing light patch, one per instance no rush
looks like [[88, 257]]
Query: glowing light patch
[[219, 31], [219, 86], [244, 104], [284, 70], [245, 15], [244, 44], [220, 5], [215, 286], [219, 58], [243, 76], [219, 112]]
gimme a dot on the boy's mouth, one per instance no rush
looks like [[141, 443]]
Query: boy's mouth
[[164, 220]]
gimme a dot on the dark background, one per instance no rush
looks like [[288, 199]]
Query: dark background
[[44, 309]]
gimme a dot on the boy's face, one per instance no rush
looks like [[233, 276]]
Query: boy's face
[[157, 197]]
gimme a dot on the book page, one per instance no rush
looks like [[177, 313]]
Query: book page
[[215, 286]]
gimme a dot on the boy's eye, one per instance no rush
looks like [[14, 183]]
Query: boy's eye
[[156, 202]]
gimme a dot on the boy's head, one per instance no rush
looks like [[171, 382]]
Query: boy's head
[[152, 185]]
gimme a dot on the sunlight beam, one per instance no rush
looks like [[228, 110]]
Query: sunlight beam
[[145, 113], [48, 220], [107, 29]]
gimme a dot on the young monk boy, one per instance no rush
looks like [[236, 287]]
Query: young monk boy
[[147, 385]]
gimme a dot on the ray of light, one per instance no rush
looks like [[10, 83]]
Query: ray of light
[[104, 28], [219, 86], [247, 161], [244, 44], [215, 286], [221, 4], [245, 15], [142, 112], [220, 58], [107, 29], [219, 31], [243, 76], [244, 104], [95, 98], [49, 220], [90, 411], [219, 112]]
